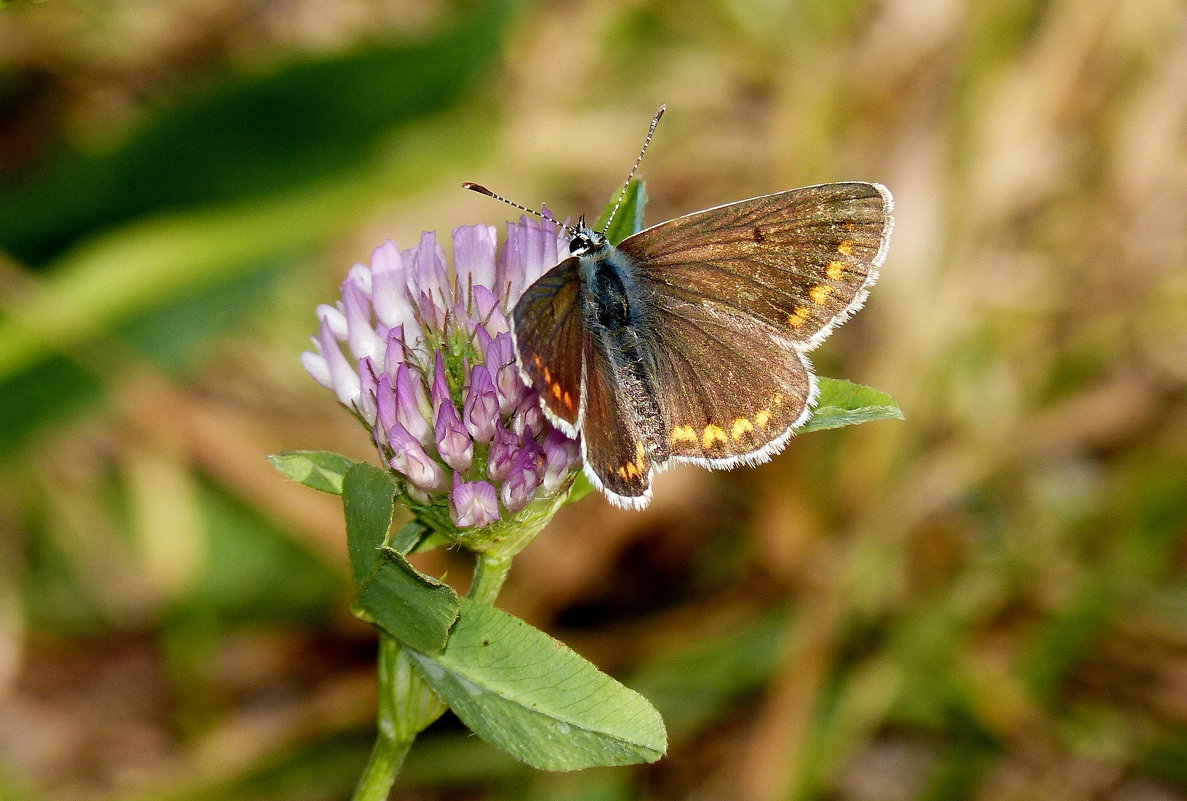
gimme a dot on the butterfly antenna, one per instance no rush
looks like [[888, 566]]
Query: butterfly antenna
[[482, 190], [634, 169]]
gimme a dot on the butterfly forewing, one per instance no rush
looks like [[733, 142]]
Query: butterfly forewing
[[549, 337], [796, 262]]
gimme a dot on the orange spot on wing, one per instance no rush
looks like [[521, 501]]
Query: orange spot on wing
[[846, 247], [835, 270], [820, 293], [797, 317], [740, 428], [712, 436]]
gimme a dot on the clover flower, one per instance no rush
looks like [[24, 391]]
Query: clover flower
[[424, 358]]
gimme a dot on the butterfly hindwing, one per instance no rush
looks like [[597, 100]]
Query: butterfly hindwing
[[549, 336], [732, 391], [612, 442], [797, 262]]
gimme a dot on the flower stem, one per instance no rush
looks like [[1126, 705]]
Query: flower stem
[[490, 571], [405, 707], [380, 774]]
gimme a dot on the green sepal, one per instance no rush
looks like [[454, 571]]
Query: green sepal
[[629, 218], [535, 698], [409, 537], [842, 403], [320, 470], [582, 486]]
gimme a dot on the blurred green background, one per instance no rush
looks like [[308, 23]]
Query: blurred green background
[[986, 601]]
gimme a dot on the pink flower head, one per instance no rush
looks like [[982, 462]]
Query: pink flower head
[[423, 355]]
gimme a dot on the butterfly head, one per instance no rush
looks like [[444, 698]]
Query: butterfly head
[[585, 240]]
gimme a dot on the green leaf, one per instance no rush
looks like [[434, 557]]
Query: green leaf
[[368, 500], [320, 470], [842, 403], [629, 218], [415, 609], [535, 698]]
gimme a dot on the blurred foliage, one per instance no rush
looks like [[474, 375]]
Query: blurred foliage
[[985, 601]]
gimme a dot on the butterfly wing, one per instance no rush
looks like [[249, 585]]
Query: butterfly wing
[[550, 341], [616, 459], [799, 261], [738, 295], [732, 391]]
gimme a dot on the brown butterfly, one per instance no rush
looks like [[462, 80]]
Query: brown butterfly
[[688, 341]]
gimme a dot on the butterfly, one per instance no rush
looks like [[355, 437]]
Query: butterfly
[[688, 342]]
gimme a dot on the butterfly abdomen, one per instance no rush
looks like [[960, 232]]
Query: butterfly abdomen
[[617, 311]]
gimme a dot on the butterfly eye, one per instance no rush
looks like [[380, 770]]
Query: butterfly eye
[[577, 243]]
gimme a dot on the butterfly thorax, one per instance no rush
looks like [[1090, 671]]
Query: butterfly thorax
[[614, 299], [616, 309]]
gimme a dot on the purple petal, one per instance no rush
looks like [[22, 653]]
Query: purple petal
[[432, 314], [385, 408], [528, 417], [503, 450], [315, 365], [334, 316], [501, 351], [487, 312], [439, 390], [480, 412], [413, 409], [561, 456], [520, 484], [474, 256], [463, 317], [364, 342], [483, 340], [343, 376], [367, 404], [410, 459], [500, 360], [473, 504], [453, 440], [533, 247], [389, 286], [396, 352], [511, 388], [429, 272]]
